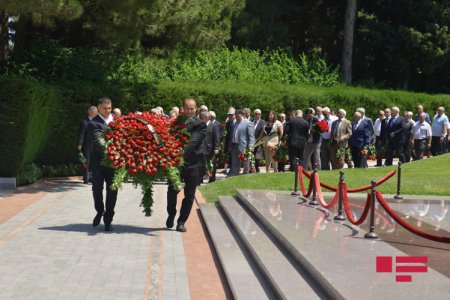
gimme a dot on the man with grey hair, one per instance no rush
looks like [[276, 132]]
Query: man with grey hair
[[212, 117], [395, 136], [299, 113], [362, 111], [409, 125], [247, 112], [360, 138], [243, 138], [439, 130], [83, 143], [203, 108], [420, 110], [341, 131], [319, 113], [259, 125], [421, 136], [325, 146], [211, 145], [117, 112]]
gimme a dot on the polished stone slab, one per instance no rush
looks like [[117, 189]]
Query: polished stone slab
[[241, 274], [339, 251], [286, 279]]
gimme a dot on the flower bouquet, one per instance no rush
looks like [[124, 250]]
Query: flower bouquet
[[248, 155], [364, 151], [344, 152], [144, 148], [372, 151], [321, 126], [82, 160]]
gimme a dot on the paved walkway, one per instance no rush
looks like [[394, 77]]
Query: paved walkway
[[49, 249]]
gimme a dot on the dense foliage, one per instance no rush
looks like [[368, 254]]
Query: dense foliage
[[27, 112]]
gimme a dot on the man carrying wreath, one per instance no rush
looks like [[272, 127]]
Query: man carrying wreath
[[192, 170]]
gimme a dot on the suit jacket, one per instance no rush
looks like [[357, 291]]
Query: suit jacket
[[297, 132], [384, 124], [245, 134], [229, 127], [95, 127], [194, 158], [212, 140], [259, 128], [370, 124], [361, 136], [82, 137], [397, 127], [345, 130]]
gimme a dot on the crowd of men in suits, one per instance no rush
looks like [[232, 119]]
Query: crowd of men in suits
[[408, 136]]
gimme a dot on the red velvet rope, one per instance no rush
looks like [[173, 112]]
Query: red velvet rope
[[407, 226], [301, 170], [302, 184], [320, 194], [348, 211]]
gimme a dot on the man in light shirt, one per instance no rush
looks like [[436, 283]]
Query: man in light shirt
[[421, 136], [439, 131], [325, 146], [379, 141]]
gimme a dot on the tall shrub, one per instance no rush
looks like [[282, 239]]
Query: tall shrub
[[27, 111]]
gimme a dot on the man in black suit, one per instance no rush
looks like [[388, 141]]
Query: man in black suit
[[395, 136], [229, 129], [361, 135], [297, 132], [101, 174], [259, 127], [192, 170], [83, 142], [211, 143]]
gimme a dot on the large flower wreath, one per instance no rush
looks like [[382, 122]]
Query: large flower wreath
[[145, 148]]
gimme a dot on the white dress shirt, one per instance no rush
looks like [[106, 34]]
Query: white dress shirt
[[421, 131], [107, 120], [377, 126]]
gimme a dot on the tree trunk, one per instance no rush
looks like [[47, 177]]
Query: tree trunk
[[347, 49], [4, 41], [22, 35]]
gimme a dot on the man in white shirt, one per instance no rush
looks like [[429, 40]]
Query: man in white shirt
[[439, 130], [379, 141], [325, 146], [421, 136]]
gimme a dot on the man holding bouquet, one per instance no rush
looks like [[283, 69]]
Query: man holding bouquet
[[101, 174], [193, 169]]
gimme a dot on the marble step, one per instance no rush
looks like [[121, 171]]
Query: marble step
[[286, 279], [242, 275]]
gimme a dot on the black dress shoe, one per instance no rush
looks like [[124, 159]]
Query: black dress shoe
[[108, 227], [97, 220], [180, 227], [169, 221]]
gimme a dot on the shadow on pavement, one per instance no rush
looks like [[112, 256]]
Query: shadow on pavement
[[118, 229]]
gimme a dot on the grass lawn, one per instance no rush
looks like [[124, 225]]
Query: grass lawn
[[425, 177]]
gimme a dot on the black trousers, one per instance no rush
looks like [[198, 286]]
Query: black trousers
[[436, 147], [359, 160], [419, 148], [325, 162], [101, 175], [191, 182], [294, 153], [396, 146]]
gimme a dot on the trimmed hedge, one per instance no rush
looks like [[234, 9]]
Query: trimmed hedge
[[219, 96], [27, 111], [40, 122]]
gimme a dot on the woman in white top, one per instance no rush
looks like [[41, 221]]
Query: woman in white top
[[271, 139]]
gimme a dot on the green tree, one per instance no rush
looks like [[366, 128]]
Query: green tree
[[403, 42]]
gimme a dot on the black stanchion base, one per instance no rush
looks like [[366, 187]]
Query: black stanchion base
[[339, 218], [313, 202], [295, 193], [371, 235], [398, 197]]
